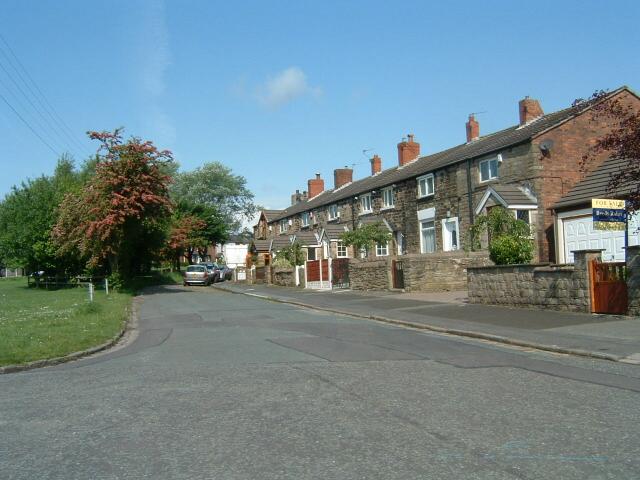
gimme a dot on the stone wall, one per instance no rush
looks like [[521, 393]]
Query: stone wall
[[633, 279], [441, 272], [557, 287], [369, 275], [285, 277]]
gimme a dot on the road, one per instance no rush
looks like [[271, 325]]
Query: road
[[224, 386]]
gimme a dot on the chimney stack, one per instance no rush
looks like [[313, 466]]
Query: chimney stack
[[473, 129], [408, 150], [298, 197], [376, 165], [342, 176], [530, 109], [316, 186]]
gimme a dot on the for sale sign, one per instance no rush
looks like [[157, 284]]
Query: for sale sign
[[609, 214]]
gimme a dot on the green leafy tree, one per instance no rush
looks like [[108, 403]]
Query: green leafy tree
[[365, 236], [119, 219], [215, 185], [27, 215], [205, 226], [509, 239]]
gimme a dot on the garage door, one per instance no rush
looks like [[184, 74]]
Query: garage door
[[580, 235]]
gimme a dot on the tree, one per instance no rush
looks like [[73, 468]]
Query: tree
[[199, 226], [365, 236], [622, 141], [27, 215], [510, 239], [118, 220], [215, 185]]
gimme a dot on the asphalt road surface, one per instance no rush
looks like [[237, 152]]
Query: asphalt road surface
[[225, 386]]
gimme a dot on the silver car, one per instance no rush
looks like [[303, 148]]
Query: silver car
[[197, 275]]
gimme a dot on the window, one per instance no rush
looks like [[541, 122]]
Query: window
[[488, 169], [388, 200], [450, 234], [427, 236], [304, 218], [365, 203], [311, 253], [333, 212], [341, 250], [400, 242], [284, 226], [382, 249], [426, 185], [523, 215]]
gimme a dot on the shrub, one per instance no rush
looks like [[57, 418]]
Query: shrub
[[510, 249]]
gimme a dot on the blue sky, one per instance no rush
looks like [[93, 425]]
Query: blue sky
[[280, 90]]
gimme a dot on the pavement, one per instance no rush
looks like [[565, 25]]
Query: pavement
[[233, 387], [607, 337]]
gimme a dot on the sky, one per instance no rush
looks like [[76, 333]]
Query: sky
[[280, 90]]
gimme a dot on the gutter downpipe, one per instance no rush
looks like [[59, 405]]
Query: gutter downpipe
[[469, 193]]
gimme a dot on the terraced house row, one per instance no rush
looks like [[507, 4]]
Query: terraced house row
[[429, 201]]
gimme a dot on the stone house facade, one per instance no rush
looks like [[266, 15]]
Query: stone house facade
[[429, 201]]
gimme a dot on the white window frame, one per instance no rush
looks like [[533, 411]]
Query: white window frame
[[488, 161], [362, 202], [382, 249], [447, 243], [388, 193], [342, 250], [284, 226], [332, 212], [305, 219], [515, 214], [424, 180], [421, 228]]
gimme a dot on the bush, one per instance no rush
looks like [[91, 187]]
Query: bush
[[510, 249], [281, 262]]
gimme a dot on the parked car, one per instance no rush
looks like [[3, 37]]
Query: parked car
[[212, 268], [225, 273], [198, 275]]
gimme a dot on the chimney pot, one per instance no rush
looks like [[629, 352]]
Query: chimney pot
[[529, 109], [408, 150], [473, 129]]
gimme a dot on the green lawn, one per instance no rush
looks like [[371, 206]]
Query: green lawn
[[36, 324]]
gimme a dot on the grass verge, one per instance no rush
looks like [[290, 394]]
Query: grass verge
[[38, 324]]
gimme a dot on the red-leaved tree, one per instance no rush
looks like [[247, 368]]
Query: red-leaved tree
[[118, 220], [185, 235], [622, 141]]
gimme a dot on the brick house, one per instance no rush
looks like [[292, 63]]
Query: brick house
[[429, 201]]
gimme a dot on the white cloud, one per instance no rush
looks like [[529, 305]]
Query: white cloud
[[285, 87]]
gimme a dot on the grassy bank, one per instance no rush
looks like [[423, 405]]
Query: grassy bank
[[36, 324]]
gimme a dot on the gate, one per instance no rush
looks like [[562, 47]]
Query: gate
[[340, 272], [260, 271], [313, 269], [608, 287], [397, 273]]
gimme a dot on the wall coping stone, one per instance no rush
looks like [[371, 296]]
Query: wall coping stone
[[515, 265]]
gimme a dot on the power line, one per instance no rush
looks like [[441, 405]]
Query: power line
[[51, 111], [40, 125], [28, 125]]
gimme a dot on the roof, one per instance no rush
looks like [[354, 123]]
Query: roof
[[334, 230], [306, 237], [271, 214], [595, 185], [482, 146], [373, 219], [280, 242], [262, 245]]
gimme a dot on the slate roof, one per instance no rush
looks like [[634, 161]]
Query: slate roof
[[280, 242], [514, 195], [595, 185], [334, 230], [271, 214], [372, 219], [484, 145], [262, 245], [306, 237]]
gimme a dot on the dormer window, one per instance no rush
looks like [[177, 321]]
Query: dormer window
[[488, 169]]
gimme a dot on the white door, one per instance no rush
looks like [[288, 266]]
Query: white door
[[580, 235]]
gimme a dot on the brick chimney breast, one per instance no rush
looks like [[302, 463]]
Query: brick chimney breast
[[408, 150], [376, 165], [316, 186], [529, 109], [473, 129], [342, 176]]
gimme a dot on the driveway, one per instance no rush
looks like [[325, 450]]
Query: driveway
[[223, 386]]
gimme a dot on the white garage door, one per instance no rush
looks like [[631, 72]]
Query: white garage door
[[580, 235]]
